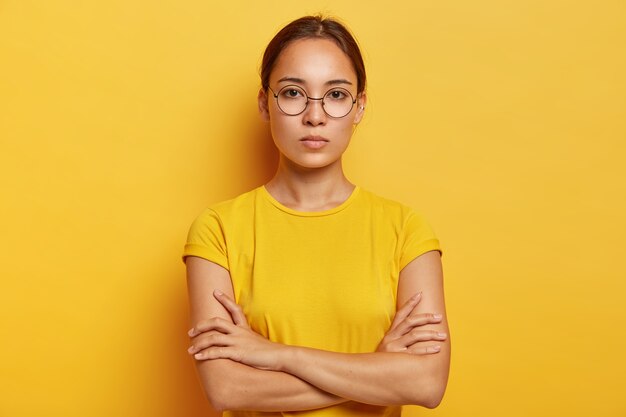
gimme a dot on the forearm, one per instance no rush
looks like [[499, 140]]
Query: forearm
[[231, 385], [373, 378]]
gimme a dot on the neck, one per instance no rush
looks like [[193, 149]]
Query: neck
[[309, 189]]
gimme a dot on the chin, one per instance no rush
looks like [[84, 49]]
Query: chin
[[311, 161]]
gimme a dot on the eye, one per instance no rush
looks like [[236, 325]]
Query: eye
[[291, 92], [337, 94]]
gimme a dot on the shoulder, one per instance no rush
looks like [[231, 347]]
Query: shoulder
[[207, 236], [391, 209], [241, 202], [232, 207], [414, 233], [217, 216]]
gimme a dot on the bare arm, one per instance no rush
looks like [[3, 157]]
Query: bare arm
[[378, 378], [387, 378], [234, 386]]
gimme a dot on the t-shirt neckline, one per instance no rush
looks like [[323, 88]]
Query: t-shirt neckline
[[328, 212]]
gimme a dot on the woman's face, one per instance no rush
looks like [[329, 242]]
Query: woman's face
[[311, 139]]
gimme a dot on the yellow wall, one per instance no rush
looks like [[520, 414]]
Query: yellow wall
[[503, 121]]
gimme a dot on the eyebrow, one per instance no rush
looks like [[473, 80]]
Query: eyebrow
[[301, 81]]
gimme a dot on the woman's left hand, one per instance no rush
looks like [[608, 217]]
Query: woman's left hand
[[217, 338], [406, 334]]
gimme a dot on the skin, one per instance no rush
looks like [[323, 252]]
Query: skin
[[311, 180], [239, 368]]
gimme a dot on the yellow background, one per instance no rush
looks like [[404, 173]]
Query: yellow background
[[504, 122]]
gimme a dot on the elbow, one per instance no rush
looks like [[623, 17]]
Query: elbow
[[436, 392], [433, 399], [215, 393], [218, 404], [224, 397], [219, 391], [429, 394]]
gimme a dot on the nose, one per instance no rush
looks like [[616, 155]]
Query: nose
[[314, 113]]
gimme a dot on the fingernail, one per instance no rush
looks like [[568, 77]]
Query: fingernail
[[437, 316], [436, 348], [190, 350], [417, 296], [190, 332], [218, 292], [441, 334], [198, 356]]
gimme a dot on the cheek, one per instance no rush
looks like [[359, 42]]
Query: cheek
[[281, 128], [346, 130]]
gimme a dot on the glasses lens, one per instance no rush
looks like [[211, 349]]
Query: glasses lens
[[291, 100], [338, 102]]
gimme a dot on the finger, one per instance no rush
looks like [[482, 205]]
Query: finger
[[203, 334], [416, 335], [393, 347], [423, 350], [405, 310], [417, 320], [207, 340], [215, 323], [232, 307], [215, 352]]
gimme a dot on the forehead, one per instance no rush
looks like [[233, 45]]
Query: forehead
[[314, 61]]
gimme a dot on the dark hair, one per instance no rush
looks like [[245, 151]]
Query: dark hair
[[314, 27]]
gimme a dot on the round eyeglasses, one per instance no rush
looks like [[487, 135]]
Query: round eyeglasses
[[293, 100]]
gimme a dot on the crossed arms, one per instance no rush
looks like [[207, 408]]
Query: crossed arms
[[241, 370]]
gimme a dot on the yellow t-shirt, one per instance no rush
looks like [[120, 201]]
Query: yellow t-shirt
[[324, 280]]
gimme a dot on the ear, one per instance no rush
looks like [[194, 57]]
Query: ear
[[360, 109], [262, 103]]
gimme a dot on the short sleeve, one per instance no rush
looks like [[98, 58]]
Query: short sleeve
[[417, 238], [206, 239]]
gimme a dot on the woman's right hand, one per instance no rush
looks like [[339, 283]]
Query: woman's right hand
[[405, 334]]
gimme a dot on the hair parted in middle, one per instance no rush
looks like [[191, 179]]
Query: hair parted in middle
[[319, 27]]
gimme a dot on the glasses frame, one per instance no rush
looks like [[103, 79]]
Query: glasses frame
[[313, 98]]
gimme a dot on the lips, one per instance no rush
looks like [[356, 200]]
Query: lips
[[314, 142]]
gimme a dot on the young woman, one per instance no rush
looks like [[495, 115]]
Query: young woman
[[310, 293]]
